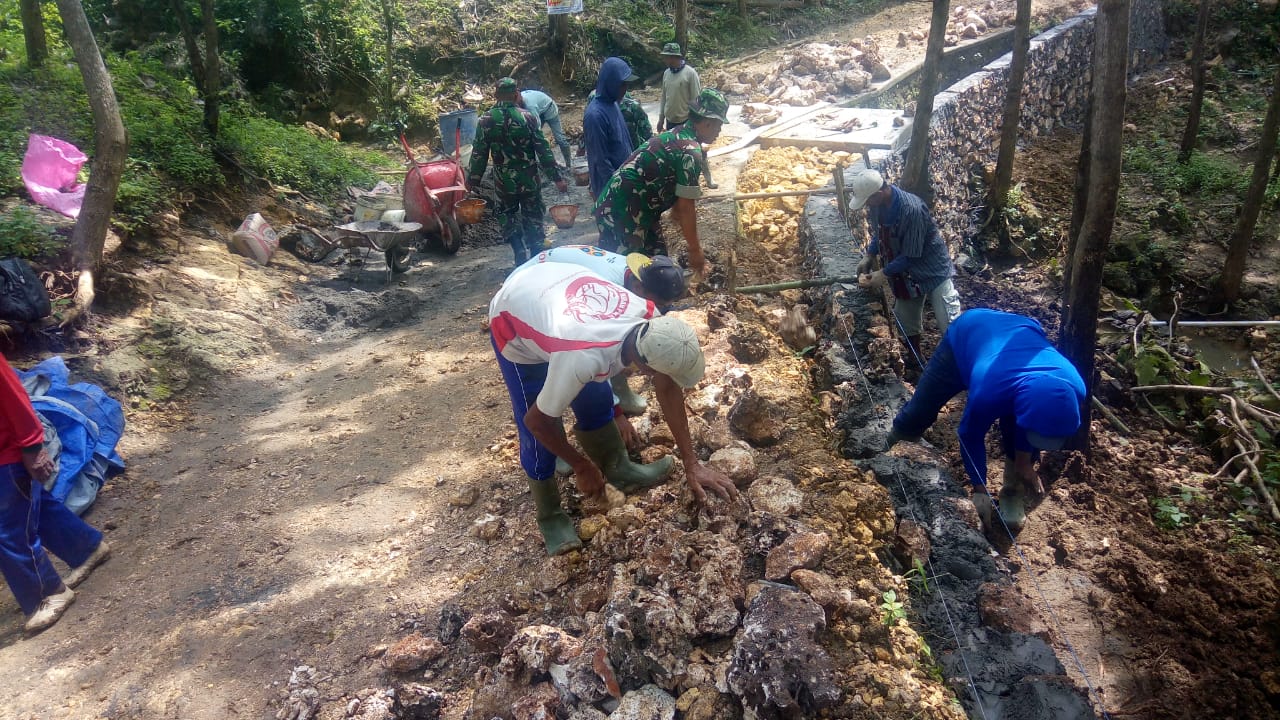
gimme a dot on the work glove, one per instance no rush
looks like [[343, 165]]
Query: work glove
[[872, 280], [864, 267]]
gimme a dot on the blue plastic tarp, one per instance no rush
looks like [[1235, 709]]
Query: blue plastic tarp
[[89, 424]]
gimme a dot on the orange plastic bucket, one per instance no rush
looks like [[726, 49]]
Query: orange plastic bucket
[[564, 215], [471, 210]]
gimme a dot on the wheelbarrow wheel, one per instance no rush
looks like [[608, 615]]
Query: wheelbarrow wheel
[[450, 235], [398, 258]]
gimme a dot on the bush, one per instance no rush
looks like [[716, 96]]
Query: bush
[[290, 156], [23, 235]]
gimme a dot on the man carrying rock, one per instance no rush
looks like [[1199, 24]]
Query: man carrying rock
[[1014, 375], [548, 114], [514, 139], [661, 176], [652, 278], [917, 265], [604, 129], [559, 332], [680, 90]]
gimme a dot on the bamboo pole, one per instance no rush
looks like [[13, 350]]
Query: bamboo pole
[[1218, 323], [795, 285]]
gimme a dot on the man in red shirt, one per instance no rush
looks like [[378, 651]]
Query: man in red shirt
[[31, 519]]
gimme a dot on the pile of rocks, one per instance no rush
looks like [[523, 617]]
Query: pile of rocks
[[813, 72], [773, 222], [966, 23]]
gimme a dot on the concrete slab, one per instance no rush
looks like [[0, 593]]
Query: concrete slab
[[876, 131]]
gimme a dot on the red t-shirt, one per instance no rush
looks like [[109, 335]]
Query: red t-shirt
[[19, 426]]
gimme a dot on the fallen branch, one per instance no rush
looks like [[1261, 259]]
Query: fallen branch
[[1260, 486], [1263, 378], [1202, 390], [1116, 422]]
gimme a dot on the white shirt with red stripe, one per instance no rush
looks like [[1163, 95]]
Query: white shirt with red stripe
[[569, 318]]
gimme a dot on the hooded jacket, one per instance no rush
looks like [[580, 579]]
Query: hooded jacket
[[607, 138]]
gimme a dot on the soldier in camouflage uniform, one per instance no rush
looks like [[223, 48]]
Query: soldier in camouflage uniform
[[514, 138], [661, 175], [637, 119]]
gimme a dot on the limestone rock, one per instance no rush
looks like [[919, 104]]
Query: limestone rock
[[611, 498], [756, 419], [466, 497], [824, 590], [488, 631], [591, 525], [540, 703], [748, 343], [911, 544], [577, 680], [705, 703], [419, 702], [535, 648], [801, 550], [778, 669], [411, 653], [777, 495], [648, 703], [452, 618], [738, 463], [487, 527]]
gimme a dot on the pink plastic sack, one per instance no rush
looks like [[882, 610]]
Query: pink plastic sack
[[49, 171]]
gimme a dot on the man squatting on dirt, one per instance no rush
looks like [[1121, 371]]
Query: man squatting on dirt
[[559, 332], [514, 138], [917, 263], [652, 278], [1014, 375], [31, 520], [662, 175]]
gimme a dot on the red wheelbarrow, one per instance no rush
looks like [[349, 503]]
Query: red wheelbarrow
[[432, 191]]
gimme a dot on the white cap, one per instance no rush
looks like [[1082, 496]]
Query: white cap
[[863, 186], [669, 346]]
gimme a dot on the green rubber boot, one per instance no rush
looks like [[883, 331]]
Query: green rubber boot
[[556, 527], [604, 446], [631, 403], [1013, 506]]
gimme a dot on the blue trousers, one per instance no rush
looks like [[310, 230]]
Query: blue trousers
[[941, 381], [31, 520], [593, 407]]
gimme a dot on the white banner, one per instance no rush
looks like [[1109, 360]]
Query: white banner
[[563, 7]]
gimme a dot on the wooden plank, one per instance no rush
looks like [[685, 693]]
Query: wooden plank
[[776, 126]]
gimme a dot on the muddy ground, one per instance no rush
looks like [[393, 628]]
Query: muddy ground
[[322, 464]]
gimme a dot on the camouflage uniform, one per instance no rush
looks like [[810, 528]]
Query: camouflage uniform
[[514, 138], [647, 185], [637, 119]]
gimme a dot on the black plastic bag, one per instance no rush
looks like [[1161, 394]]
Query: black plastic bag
[[22, 295]]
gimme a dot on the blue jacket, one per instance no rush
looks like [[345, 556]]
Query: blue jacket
[[606, 136], [1011, 370]]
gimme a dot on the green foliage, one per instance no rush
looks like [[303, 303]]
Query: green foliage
[[1171, 511], [891, 610], [1203, 174], [290, 156], [917, 576], [23, 235]]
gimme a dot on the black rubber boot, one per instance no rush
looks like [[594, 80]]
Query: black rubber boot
[[556, 527], [604, 446], [631, 403]]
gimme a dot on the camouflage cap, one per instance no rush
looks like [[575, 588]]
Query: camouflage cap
[[507, 85], [672, 48], [710, 105]]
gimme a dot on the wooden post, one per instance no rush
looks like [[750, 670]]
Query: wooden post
[[560, 32], [742, 8]]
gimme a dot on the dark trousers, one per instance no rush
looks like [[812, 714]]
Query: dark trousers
[[31, 520], [593, 407], [521, 216]]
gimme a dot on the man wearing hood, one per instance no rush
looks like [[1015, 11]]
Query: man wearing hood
[[604, 128], [662, 175], [1014, 375]]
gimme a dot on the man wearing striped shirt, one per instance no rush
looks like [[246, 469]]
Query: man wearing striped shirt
[[917, 265]]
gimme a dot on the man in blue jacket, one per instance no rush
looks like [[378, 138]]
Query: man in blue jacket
[[604, 129], [1014, 375]]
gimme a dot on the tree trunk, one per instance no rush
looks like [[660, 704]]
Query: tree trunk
[[682, 25], [914, 174], [1080, 311], [1197, 85], [388, 41], [1081, 200], [1012, 107], [559, 32], [742, 8], [212, 68], [110, 148], [33, 31], [1238, 250], [206, 72]]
